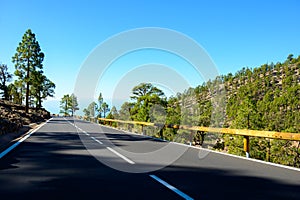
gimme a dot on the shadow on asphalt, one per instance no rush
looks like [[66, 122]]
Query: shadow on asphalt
[[56, 165], [203, 183], [128, 137]]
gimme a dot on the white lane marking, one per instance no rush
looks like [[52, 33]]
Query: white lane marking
[[121, 156], [96, 140], [6, 151], [174, 189], [77, 127], [85, 133], [73, 124], [112, 150]]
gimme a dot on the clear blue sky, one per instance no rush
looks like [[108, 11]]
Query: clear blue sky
[[235, 33]]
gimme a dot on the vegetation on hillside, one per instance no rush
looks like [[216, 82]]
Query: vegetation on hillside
[[263, 98]]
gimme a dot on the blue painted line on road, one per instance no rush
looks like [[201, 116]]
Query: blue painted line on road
[[185, 196], [6, 151], [9, 149]]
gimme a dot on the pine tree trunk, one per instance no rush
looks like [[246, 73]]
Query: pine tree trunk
[[27, 98], [40, 102], [66, 107], [27, 88]]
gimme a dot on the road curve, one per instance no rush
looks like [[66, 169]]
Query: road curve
[[73, 159]]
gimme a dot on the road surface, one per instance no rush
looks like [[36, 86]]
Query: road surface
[[57, 162]]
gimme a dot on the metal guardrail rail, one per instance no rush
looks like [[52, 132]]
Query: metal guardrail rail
[[243, 132]]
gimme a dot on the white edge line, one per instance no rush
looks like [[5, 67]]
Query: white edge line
[[121, 156], [212, 151], [174, 189], [6, 151], [241, 157]]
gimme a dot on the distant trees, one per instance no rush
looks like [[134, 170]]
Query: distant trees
[[65, 105], [100, 102], [92, 108], [102, 107], [97, 110], [68, 104], [5, 77], [74, 104]]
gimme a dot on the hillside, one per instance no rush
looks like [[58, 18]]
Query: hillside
[[257, 92], [263, 98], [13, 116]]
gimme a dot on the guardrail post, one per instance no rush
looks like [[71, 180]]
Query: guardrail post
[[142, 129], [129, 128], [161, 133], [247, 146], [191, 138], [268, 156]]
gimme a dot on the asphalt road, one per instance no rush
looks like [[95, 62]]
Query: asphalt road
[[67, 159]]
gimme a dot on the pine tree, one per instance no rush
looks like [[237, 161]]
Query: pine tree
[[28, 59], [100, 102], [74, 104], [5, 77], [104, 108], [41, 88], [92, 108], [66, 105], [145, 96]]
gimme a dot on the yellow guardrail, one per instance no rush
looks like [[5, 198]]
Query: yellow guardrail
[[243, 132]]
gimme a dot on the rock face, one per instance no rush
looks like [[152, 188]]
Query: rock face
[[13, 116]]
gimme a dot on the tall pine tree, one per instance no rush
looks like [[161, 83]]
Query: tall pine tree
[[27, 60]]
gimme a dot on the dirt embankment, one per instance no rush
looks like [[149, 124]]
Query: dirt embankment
[[13, 117]]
